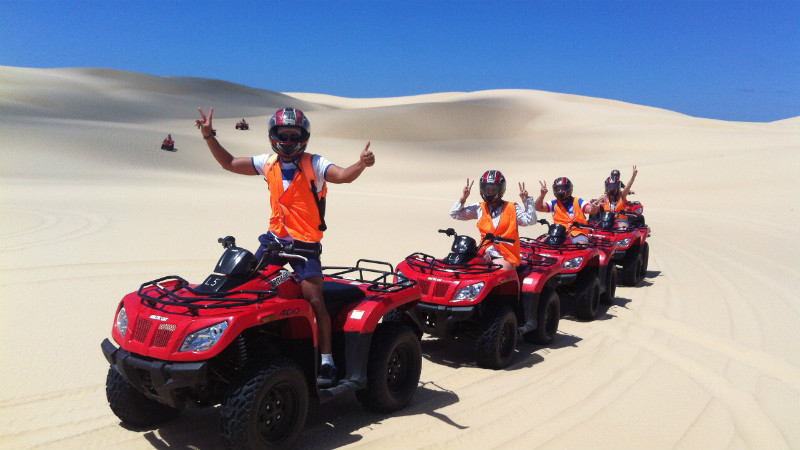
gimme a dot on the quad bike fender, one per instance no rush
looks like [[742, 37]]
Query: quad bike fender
[[159, 334], [365, 315]]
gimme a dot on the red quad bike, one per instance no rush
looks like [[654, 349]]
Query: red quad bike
[[463, 294], [242, 125], [246, 339], [168, 145], [632, 252], [586, 276]]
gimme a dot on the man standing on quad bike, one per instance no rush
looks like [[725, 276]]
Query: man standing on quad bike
[[498, 217], [567, 209], [615, 197], [297, 186]]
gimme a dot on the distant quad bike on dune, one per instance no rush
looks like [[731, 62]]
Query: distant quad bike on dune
[[464, 295], [632, 251], [242, 125], [245, 339], [586, 276], [169, 145]]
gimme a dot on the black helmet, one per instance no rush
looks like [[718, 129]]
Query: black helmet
[[289, 130], [562, 188], [607, 220], [493, 186], [615, 173], [556, 234]]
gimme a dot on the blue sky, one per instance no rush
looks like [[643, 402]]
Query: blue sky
[[730, 60]]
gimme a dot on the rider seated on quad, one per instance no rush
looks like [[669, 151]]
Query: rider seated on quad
[[498, 217], [168, 141], [566, 209], [615, 197]]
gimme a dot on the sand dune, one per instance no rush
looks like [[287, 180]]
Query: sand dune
[[704, 354]]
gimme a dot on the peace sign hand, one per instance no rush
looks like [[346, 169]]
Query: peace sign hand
[[467, 190], [204, 125], [523, 193], [543, 190]]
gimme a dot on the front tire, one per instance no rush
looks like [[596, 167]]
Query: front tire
[[267, 409], [497, 341], [395, 364], [587, 300], [548, 313], [131, 406]]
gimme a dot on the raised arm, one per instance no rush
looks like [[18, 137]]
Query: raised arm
[[630, 183], [243, 166], [338, 174], [540, 200]]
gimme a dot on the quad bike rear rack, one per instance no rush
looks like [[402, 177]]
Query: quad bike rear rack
[[381, 281], [159, 291]]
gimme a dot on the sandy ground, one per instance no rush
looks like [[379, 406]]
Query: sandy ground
[[704, 354]]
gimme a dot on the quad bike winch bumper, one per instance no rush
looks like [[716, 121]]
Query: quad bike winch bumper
[[159, 380], [438, 320]]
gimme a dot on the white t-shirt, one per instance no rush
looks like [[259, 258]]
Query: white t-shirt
[[288, 169]]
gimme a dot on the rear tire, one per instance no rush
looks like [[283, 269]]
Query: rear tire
[[495, 346], [398, 316], [587, 299], [645, 259], [611, 285], [267, 408], [632, 268], [395, 364], [131, 406], [548, 313]]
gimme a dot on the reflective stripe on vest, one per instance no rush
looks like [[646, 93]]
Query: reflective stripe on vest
[[294, 211], [506, 228]]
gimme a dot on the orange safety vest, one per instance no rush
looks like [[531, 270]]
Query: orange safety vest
[[561, 216], [295, 211], [506, 228], [621, 204]]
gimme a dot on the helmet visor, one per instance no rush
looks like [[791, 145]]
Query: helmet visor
[[290, 134], [560, 191], [490, 189]]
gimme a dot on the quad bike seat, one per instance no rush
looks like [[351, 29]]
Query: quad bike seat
[[337, 295]]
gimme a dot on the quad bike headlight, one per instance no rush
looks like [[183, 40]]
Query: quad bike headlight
[[469, 292], [624, 243], [204, 339], [121, 323], [573, 263]]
